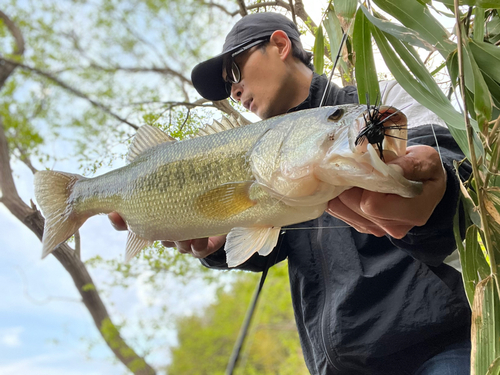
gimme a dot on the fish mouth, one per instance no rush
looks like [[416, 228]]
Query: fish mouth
[[385, 128]]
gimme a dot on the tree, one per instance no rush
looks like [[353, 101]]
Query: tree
[[206, 338], [81, 77]]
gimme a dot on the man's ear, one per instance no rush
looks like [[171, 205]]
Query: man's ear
[[281, 40]]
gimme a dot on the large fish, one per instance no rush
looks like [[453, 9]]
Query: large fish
[[248, 181]]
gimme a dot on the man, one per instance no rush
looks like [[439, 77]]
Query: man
[[372, 297]]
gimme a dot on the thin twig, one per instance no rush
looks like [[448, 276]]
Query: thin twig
[[292, 8], [70, 89]]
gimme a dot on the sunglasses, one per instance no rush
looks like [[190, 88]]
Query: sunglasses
[[233, 72]]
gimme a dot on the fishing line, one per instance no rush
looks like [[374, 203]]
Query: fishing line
[[437, 145]]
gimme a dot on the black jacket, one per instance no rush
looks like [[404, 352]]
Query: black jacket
[[368, 305]]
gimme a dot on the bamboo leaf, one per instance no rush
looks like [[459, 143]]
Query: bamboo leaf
[[453, 119], [479, 24], [482, 98], [345, 8], [417, 67], [319, 50], [485, 334], [417, 17], [398, 31], [474, 265], [494, 367], [487, 57], [479, 3], [334, 31], [366, 74], [492, 210]]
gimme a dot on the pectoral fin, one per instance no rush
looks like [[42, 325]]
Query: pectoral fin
[[225, 200], [134, 245], [242, 243]]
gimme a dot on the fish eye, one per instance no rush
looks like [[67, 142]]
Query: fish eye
[[337, 115]]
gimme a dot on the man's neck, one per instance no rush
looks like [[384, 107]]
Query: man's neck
[[302, 82]]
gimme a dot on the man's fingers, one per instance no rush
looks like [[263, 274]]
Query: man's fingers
[[420, 163], [338, 209], [203, 247], [168, 243], [198, 247], [116, 221]]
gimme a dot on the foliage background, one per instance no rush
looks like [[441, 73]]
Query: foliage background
[[87, 73]]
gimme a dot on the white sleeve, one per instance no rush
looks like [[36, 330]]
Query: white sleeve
[[394, 95]]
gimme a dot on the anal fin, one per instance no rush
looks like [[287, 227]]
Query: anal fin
[[242, 243], [134, 245]]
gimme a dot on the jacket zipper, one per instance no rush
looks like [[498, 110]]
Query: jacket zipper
[[319, 245]]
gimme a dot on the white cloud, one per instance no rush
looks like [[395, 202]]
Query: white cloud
[[59, 364], [11, 337]]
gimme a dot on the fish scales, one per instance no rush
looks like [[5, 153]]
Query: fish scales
[[248, 181]]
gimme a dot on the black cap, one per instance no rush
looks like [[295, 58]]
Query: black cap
[[207, 76]]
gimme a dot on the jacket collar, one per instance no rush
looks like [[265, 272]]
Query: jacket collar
[[318, 85]]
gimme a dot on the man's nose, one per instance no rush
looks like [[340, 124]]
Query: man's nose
[[236, 91]]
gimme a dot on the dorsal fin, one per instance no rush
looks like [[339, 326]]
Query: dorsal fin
[[147, 137], [225, 123]]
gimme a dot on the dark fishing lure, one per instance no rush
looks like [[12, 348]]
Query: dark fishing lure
[[375, 130]]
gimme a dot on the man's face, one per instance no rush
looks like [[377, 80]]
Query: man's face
[[262, 84]]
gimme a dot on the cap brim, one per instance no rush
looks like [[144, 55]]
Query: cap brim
[[207, 79]]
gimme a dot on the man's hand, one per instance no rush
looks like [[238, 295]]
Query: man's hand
[[380, 214], [199, 247]]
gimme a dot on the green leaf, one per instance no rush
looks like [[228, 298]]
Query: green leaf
[[334, 31], [474, 265], [398, 31], [319, 51], [485, 332], [88, 287], [482, 98], [417, 67], [418, 18], [345, 8], [366, 74], [479, 24], [494, 367], [453, 119], [487, 57], [479, 3]]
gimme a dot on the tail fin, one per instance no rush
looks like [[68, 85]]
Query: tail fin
[[52, 190]]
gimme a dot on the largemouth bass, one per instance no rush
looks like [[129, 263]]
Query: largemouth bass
[[247, 181]]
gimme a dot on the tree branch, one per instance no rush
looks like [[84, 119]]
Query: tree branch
[[243, 9], [4, 61], [154, 69], [221, 7], [6, 69], [292, 9]]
